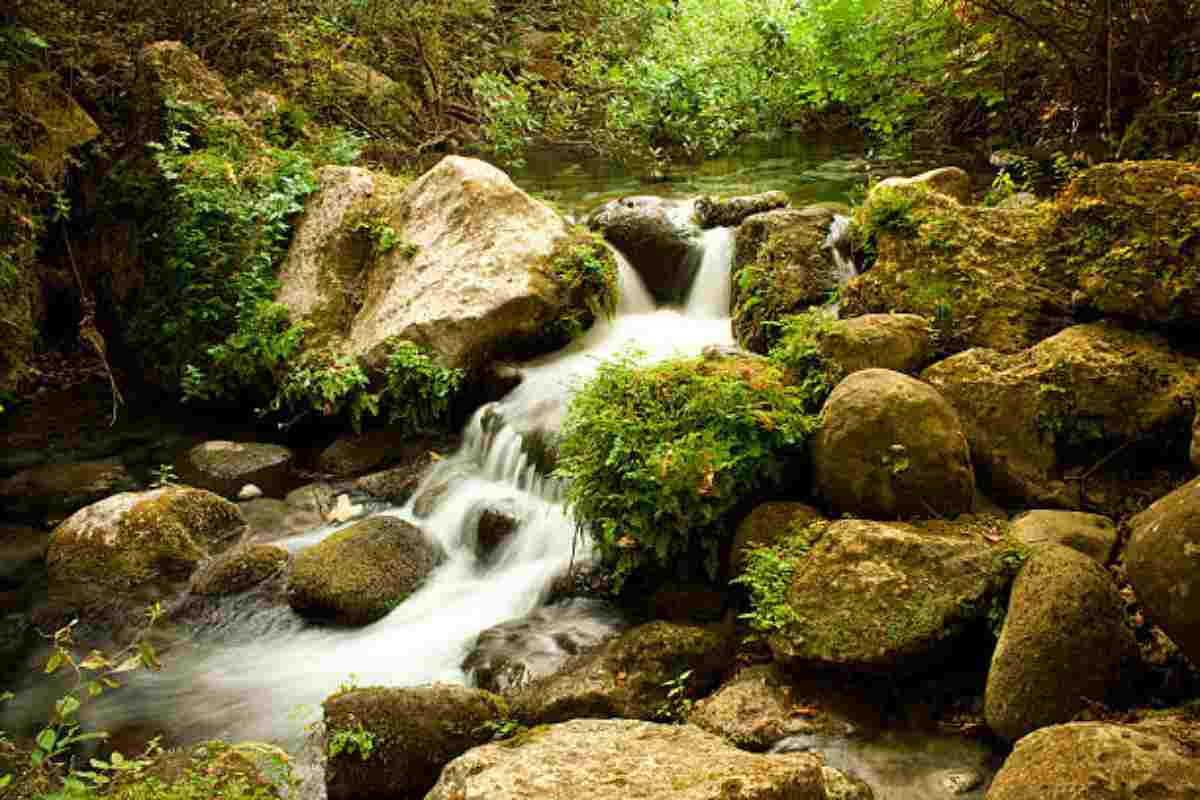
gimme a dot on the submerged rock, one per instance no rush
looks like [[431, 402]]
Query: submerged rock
[[1091, 534], [225, 467], [1162, 561], [414, 733], [1086, 760], [1064, 612], [359, 574], [888, 447], [729, 212], [623, 759], [657, 236]]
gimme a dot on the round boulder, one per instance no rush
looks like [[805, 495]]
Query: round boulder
[[240, 569], [657, 236], [1091, 534], [891, 447], [900, 342], [225, 467], [359, 574], [1064, 612], [1163, 563]]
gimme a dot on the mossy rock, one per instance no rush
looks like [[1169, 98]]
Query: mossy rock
[[225, 467], [730, 212], [356, 454], [1093, 535], [359, 574], [240, 569], [950, 181], [59, 490], [1064, 611], [899, 342], [767, 524], [414, 733]]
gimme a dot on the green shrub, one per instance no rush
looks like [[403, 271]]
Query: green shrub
[[798, 350], [658, 456], [417, 390], [768, 577]]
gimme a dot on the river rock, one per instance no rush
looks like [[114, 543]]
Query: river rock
[[712, 212], [1086, 760], [623, 759], [225, 467], [239, 569], [506, 657], [415, 732], [890, 597], [781, 267], [1070, 401], [1064, 612], [1162, 561], [315, 498], [950, 181], [628, 676], [472, 275], [657, 236], [359, 574], [899, 342], [356, 454], [397, 484], [889, 446], [1091, 534], [766, 525], [56, 491]]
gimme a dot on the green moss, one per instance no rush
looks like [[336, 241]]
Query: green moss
[[584, 274], [241, 569]]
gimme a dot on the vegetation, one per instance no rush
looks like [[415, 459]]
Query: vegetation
[[768, 578], [798, 350]]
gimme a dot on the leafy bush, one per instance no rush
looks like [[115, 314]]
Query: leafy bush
[[798, 350], [417, 390], [658, 456], [586, 272], [768, 577]]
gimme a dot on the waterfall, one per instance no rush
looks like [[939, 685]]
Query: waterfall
[[838, 243], [711, 290]]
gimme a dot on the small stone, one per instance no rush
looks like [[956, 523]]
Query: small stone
[[343, 510], [249, 492]]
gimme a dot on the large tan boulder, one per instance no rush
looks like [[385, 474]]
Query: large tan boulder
[[1070, 401], [1093, 535], [1064, 611], [1162, 561], [899, 342], [950, 181], [890, 447], [1090, 760], [624, 759], [460, 261]]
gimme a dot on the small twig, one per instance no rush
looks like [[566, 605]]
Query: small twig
[[88, 331]]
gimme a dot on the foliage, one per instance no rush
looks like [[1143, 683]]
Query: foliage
[[657, 457], [328, 383], [799, 351], [586, 271], [350, 740], [417, 390], [677, 705], [768, 577], [501, 729]]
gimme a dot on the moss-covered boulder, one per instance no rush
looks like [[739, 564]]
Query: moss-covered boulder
[[1069, 402], [240, 569], [356, 454], [657, 235], [950, 181], [890, 597], [781, 267], [1064, 612], [628, 676], [899, 342], [1162, 561], [712, 212], [55, 491], [623, 759], [460, 261], [225, 467], [766, 525], [359, 574], [1093, 535], [890, 447], [393, 743], [1087, 760], [169, 72]]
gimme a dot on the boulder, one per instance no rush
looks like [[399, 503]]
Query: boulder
[[490, 524], [1064, 612], [1162, 561], [729, 212], [899, 342], [950, 181], [56, 491], [239, 569], [622, 759], [22, 551], [657, 236], [766, 525], [1087, 760], [225, 467], [169, 72], [889, 447], [57, 124], [316, 498], [506, 657], [477, 269], [890, 597], [1070, 401], [691, 602], [1091, 534], [628, 676], [356, 454], [414, 732], [781, 267], [359, 574], [397, 484]]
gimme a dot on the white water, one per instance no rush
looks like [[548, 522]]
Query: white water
[[250, 690]]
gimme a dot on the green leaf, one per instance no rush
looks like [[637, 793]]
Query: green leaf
[[47, 739], [54, 662]]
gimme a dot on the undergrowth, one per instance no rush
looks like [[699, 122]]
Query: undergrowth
[[768, 577]]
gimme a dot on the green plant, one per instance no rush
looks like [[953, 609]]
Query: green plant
[[500, 729], [586, 274], [417, 390], [351, 740], [768, 577], [163, 475], [798, 350], [327, 383], [677, 705]]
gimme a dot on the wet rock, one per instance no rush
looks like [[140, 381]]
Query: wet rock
[[658, 238], [1064, 612], [1086, 760], [898, 342], [22, 552], [506, 657], [316, 498], [1162, 561], [1069, 401], [397, 484], [692, 602], [950, 181], [359, 574], [889, 597], [16, 633], [766, 525], [269, 519], [890, 446], [353, 455], [781, 267], [416, 732], [627, 676], [635, 759], [1091, 534], [225, 467], [55, 491], [712, 212], [239, 569]]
